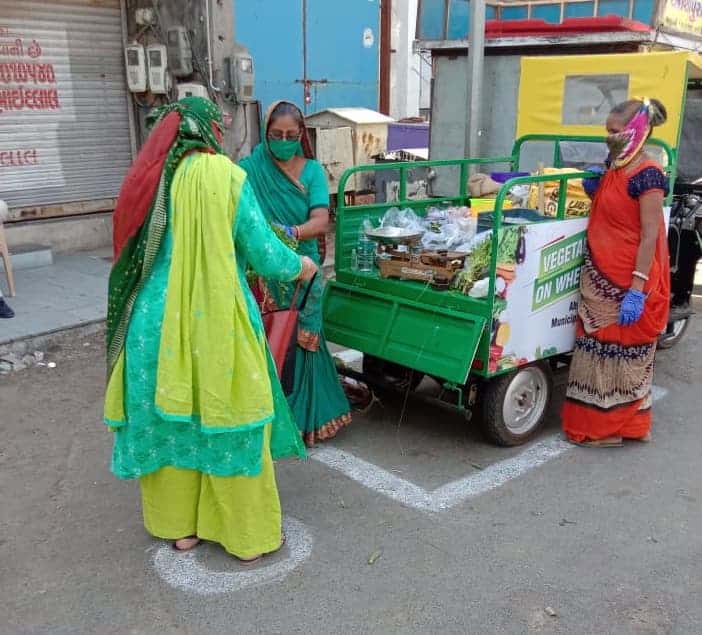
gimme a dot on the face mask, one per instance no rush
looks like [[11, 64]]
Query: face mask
[[616, 143], [625, 145], [284, 149]]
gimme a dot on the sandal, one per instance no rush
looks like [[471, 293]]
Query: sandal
[[255, 559], [609, 442], [190, 545]]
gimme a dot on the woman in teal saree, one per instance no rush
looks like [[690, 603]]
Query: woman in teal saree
[[292, 190]]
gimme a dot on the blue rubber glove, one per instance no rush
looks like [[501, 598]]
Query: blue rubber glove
[[632, 307], [591, 184]]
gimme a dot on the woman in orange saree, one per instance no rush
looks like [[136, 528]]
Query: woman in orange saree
[[625, 289]]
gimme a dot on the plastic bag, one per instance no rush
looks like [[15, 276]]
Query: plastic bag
[[441, 239], [452, 236], [447, 214], [519, 195], [402, 218], [457, 214], [480, 288]]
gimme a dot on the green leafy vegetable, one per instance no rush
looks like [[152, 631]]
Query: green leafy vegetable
[[507, 248], [480, 260], [462, 281]]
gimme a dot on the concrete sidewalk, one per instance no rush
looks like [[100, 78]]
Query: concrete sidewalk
[[68, 294]]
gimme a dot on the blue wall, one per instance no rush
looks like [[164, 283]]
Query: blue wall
[[272, 31], [432, 16]]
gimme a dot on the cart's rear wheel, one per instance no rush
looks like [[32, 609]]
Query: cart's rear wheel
[[514, 405], [386, 372]]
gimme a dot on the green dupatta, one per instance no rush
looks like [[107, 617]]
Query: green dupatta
[[133, 265]]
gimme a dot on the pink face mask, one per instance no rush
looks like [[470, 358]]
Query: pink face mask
[[625, 145]]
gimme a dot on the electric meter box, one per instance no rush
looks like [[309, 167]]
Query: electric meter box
[[157, 61], [136, 68], [239, 72], [192, 90], [180, 53]]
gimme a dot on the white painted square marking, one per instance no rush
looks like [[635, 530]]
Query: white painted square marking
[[455, 492], [446, 496]]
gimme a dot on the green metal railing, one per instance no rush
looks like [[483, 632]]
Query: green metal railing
[[403, 167], [671, 153], [463, 164], [557, 139]]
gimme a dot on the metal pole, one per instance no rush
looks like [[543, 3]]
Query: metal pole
[[306, 91], [476, 56], [208, 27], [133, 145], [385, 55]]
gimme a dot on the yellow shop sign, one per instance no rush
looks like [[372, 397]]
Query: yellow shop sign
[[681, 16]]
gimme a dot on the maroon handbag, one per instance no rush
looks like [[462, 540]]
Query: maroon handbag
[[281, 332]]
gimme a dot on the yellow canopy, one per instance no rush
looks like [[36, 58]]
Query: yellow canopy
[[572, 94]]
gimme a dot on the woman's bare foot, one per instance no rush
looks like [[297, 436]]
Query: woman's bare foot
[[186, 544], [261, 555]]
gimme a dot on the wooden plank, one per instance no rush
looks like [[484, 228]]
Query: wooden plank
[[62, 209]]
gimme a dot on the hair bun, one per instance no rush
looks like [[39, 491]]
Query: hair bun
[[657, 113]]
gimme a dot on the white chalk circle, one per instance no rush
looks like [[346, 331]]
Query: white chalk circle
[[368, 38], [183, 571]]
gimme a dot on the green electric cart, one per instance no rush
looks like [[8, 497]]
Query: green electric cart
[[496, 352]]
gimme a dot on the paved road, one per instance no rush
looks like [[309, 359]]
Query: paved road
[[611, 541]]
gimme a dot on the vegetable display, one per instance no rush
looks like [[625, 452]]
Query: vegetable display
[[463, 281], [507, 248], [480, 258]]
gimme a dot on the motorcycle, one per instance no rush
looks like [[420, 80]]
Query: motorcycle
[[685, 245]]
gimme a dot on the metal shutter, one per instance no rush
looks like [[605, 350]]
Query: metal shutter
[[64, 126]]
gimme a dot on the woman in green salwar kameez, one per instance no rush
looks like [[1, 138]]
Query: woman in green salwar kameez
[[193, 399], [292, 189]]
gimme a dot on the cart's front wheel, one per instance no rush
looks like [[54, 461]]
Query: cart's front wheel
[[514, 405]]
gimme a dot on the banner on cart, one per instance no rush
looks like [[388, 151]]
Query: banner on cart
[[536, 310]]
